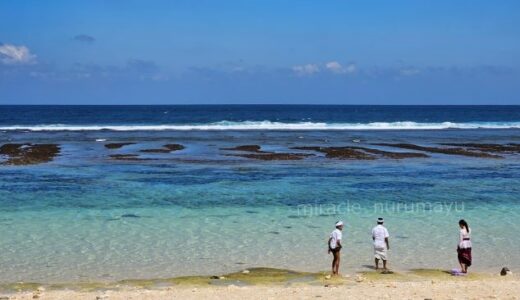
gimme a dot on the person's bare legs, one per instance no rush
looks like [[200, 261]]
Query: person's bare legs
[[377, 264], [384, 265], [463, 268], [335, 263]]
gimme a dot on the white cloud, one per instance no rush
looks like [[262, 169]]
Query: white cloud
[[336, 67], [409, 71], [16, 55], [307, 69], [351, 68]]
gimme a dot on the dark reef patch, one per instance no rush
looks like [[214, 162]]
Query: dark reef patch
[[506, 148], [29, 154], [174, 147], [130, 216], [273, 156], [257, 153], [360, 153], [167, 149], [448, 151], [117, 145], [126, 157], [245, 148], [159, 150], [393, 155], [339, 152]]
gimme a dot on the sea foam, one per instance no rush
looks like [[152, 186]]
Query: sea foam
[[269, 125]]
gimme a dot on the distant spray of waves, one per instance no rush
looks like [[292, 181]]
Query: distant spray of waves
[[268, 125]]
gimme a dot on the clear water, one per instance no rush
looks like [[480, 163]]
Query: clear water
[[84, 217]]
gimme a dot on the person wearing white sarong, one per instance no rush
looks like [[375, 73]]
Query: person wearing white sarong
[[381, 244]]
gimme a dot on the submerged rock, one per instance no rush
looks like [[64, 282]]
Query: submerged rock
[[160, 150], [130, 216], [274, 156], [246, 148], [125, 157], [355, 152], [167, 149], [393, 155], [264, 155], [339, 152], [507, 148], [117, 145], [174, 147], [449, 151], [28, 154]]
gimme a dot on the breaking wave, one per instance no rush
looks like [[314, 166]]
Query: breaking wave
[[268, 125]]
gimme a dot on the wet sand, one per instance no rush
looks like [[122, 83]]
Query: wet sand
[[266, 283]]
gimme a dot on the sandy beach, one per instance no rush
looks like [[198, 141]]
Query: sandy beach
[[432, 289], [280, 284]]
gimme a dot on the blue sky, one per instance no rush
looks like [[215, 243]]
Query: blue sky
[[260, 51]]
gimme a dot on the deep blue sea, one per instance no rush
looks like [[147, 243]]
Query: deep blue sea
[[243, 117], [85, 216]]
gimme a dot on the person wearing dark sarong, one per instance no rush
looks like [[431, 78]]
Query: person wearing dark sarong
[[464, 256], [464, 247]]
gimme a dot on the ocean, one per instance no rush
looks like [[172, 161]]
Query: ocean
[[117, 203]]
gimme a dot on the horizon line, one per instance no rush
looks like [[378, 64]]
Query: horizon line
[[257, 104]]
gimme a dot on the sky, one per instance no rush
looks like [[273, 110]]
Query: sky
[[260, 52]]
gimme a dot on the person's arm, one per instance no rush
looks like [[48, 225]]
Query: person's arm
[[338, 243], [387, 236], [328, 244]]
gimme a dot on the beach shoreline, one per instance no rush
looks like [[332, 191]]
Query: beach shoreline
[[91, 210], [267, 283]]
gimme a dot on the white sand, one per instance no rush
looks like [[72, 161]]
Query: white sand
[[456, 288]]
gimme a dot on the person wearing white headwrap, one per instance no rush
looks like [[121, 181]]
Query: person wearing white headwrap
[[334, 245], [381, 244]]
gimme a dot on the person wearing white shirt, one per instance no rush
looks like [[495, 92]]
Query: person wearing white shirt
[[464, 246], [381, 244], [334, 245]]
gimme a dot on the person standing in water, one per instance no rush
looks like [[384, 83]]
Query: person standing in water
[[464, 246], [381, 244], [334, 245]]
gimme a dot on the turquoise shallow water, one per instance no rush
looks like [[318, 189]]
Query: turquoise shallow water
[[84, 217]]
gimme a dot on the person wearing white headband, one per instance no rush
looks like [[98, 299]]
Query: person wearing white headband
[[334, 245], [381, 244]]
